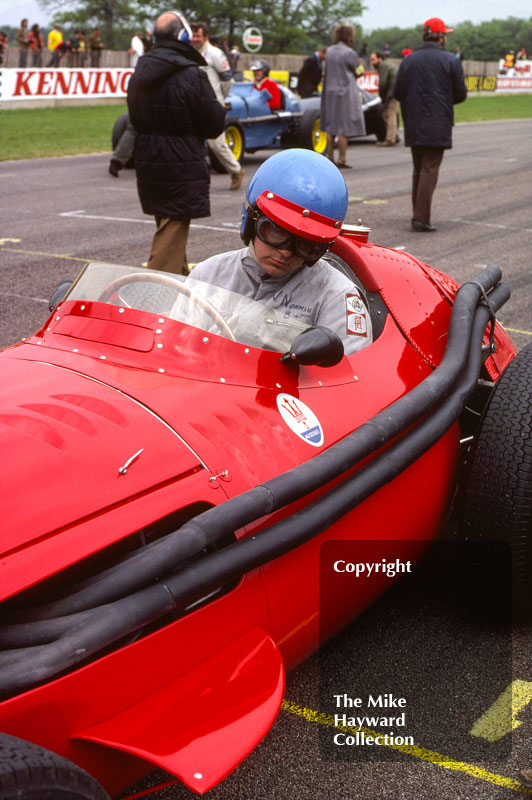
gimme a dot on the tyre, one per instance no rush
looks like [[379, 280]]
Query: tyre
[[310, 135], [375, 124], [496, 492], [118, 129], [234, 136], [29, 772]]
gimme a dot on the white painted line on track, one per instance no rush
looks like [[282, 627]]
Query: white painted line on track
[[24, 297], [491, 225], [80, 214], [491, 160]]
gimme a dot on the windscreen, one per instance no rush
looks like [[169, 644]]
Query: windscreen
[[210, 308]]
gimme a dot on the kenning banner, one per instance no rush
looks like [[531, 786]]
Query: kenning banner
[[79, 84], [27, 84]]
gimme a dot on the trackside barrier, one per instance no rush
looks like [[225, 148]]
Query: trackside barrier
[[19, 85], [43, 86]]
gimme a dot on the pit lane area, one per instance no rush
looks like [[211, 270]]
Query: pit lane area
[[58, 213]]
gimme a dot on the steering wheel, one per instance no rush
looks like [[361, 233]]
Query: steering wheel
[[167, 280]]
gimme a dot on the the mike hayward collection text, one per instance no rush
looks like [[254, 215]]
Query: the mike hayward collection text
[[359, 729]]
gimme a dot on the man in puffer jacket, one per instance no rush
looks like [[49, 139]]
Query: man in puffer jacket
[[174, 110]]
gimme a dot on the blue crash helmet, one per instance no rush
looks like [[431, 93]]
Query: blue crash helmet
[[301, 191]]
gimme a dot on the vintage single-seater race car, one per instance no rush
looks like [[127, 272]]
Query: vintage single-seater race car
[[175, 456], [251, 126]]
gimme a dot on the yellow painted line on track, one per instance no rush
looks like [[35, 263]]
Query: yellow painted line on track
[[500, 719], [374, 202], [50, 255], [516, 330], [412, 750]]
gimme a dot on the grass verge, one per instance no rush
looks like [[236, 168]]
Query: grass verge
[[70, 130], [61, 131], [482, 108]]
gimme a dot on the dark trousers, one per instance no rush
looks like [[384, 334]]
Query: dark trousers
[[427, 162]]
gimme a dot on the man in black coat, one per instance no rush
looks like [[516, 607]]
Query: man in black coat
[[311, 73], [174, 110], [428, 84]]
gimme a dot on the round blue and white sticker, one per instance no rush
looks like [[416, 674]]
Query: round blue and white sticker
[[300, 419]]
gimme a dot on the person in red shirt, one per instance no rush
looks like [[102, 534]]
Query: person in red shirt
[[261, 70]]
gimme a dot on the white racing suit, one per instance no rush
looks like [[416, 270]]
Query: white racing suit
[[220, 78], [318, 295]]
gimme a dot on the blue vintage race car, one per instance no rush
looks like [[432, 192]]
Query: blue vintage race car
[[250, 125]]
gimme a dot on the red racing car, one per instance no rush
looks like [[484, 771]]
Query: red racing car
[[175, 456]]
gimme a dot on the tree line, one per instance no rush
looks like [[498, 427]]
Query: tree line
[[487, 41], [288, 26]]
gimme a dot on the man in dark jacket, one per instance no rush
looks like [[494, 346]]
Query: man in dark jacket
[[174, 110], [311, 73], [428, 83]]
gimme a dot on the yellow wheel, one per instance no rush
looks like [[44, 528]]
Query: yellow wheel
[[235, 140], [319, 138], [310, 135]]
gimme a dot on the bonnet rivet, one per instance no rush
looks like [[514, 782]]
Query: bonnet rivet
[[270, 196], [306, 213]]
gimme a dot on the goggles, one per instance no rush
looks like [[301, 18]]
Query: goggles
[[275, 236]]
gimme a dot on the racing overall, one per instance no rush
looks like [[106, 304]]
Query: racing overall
[[317, 295]]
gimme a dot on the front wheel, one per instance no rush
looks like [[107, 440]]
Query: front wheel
[[234, 136], [29, 772], [497, 487], [310, 135], [235, 140]]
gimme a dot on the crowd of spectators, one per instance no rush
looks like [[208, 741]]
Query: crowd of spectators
[[82, 49], [78, 50], [510, 61]]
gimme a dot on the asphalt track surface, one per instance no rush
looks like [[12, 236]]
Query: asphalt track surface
[[59, 213]]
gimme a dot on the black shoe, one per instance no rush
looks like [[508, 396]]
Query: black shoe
[[114, 167], [422, 226]]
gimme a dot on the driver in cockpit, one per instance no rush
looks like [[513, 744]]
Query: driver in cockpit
[[295, 205]]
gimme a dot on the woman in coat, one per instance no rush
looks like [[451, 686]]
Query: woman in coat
[[341, 108]]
